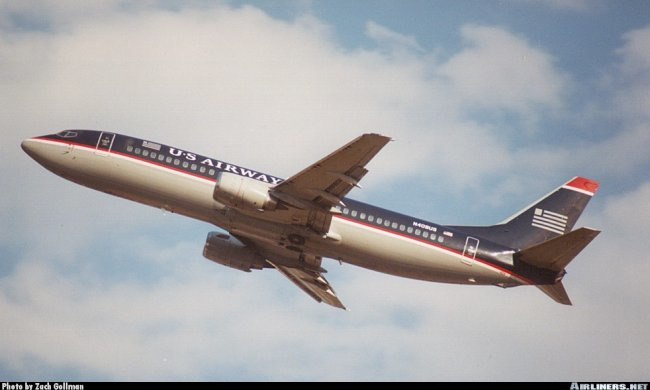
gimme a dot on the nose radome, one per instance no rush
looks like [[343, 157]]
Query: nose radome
[[28, 146], [35, 149]]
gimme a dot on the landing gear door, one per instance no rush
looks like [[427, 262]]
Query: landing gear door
[[104, 144], [469, 252]]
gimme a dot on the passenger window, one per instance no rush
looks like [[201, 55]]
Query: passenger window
[[168, 160], [386, 223], [193, 167], [394, 225], [433, 237], [137, 150], [202, 169], [153, 155], [417, 232], [371, 218], [409, 229], [402, 227], [346, 211], [379, 221], [211, 172], [362, 216], [145, 152], [425, 234], [441, 238], [161, 157], [185, 164], [354, 213], [129, 148]]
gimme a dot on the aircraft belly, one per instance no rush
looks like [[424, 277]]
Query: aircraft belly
[[401, 256], [190, 195]]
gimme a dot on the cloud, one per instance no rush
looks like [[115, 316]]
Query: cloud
[[635, 51], [197, 321], [382, 34], [633, 83], [498, 70], [243, 91], [625, 126]]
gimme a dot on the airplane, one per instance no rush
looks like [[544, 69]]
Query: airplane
[[292, 224]]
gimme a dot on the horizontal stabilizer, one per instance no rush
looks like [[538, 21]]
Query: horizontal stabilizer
[[556, 253], [556, 292]]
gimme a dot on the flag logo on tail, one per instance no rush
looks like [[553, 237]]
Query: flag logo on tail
[[548, 220]]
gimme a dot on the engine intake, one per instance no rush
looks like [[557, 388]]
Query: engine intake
[[242, 192], [226, 250]]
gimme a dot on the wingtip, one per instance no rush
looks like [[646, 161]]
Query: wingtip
[[592, 231], [385, 137]]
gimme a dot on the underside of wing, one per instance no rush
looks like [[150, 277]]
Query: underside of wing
[[303, 269], [311, 282]]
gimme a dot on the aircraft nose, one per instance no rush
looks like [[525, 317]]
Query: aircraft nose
[[36, 150], [30, 147]]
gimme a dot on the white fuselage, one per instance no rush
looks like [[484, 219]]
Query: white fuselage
[[361, 244]]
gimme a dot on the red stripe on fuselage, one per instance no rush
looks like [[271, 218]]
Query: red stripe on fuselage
[[434, 244], [428, 242]]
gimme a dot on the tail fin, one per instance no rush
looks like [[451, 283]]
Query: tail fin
[[548, 218], [554, 255]]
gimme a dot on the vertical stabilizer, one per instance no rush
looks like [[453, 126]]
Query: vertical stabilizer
[[549, 217]]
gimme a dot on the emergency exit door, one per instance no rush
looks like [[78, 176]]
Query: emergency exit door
[[469, 252]]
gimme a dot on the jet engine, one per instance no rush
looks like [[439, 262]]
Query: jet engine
[[240, 191], [224, 249]]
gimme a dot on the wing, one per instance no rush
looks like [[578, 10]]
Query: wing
[[302, 269], [325, 183]]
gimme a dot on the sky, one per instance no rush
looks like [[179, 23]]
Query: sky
[[491, 104]]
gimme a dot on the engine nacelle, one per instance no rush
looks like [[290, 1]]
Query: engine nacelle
[[242, 192], [226, 250]]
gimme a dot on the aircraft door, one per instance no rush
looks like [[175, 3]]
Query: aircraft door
[[469, 252], [104, 144]]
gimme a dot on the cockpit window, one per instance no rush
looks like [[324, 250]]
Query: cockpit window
[[67, 134]]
